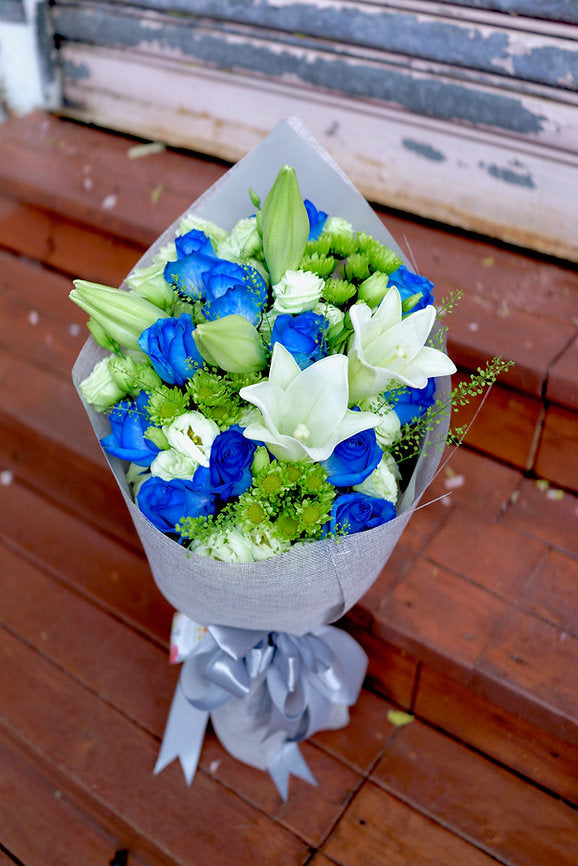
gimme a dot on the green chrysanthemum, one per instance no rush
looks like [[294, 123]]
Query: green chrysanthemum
[[165, 404]]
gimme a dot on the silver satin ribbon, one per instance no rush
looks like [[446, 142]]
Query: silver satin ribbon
[[304, 675]]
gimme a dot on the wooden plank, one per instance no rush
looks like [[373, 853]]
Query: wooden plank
[[556, 10], [39, 825], [535, 662], [392, 158], [406, 32], [425, 90], [377, 828], [557, 458], [104, 761], [132, 674], [77, 554], [483, 803], [509, 739], [494, 556], [440, 618], [64, 244]]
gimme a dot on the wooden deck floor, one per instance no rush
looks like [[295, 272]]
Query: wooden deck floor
[[472, 626]]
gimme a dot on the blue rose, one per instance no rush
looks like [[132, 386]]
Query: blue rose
[[229, 472], [302, 335], [194, 241], [234, 289], [128, 421], [354, 512], [186, 274], [171, 348], [165, 503], [317, 220], [409, 284], [411, 403], [353, 460]]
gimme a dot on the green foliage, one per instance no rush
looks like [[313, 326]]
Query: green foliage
[[411, 443]]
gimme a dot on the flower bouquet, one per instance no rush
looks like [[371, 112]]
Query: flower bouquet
[[259, 384]]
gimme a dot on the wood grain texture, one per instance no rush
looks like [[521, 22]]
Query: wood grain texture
[[483, 803]]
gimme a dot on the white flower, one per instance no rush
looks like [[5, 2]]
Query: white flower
[[333, 314], [243, 242], [337, 225], [304, 412], [388, 430], [382, 482], [137, 476], [171, 464], [192, 434], [150, 283], [226, 545], [385, 348], [100, 389], [297, 292], [214, 232]]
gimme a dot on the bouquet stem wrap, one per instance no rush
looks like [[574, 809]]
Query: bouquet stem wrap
[[270, 671], [264, 693]]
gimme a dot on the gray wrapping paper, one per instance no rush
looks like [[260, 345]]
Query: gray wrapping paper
[[317, 583]]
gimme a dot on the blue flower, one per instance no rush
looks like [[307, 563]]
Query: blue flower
[[411, 403], [354, 512], [409, 284], [186, 274], [234, 289], [129, 421], [229, 472], [302, 335], [165, 503], [316, 220], [194, 241], [171, 348], [353, 460]]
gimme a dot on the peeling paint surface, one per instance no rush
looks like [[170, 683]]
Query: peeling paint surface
[[510, 176], [419, 93], [371, 25], [424, 149]]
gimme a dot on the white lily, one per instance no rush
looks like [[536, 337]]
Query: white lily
[[385, 348], [304, 412]]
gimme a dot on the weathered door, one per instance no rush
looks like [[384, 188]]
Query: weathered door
[[463, 111]]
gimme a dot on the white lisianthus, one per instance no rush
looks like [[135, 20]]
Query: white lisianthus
[[136, 476], [100, 389], [383, 481], [336, 225], [192, 435], [214, 232], [296, 292], [386, 348], [166, 253], [171, 464], [150, 283], [333, 314], [389, 427], [249, 415], [243, 242], [226, 545], [266, 545], [304, 413]]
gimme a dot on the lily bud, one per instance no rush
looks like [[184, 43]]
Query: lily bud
[[373, 289], [231, 343], [101, 337], [285, 225], [123, 316]]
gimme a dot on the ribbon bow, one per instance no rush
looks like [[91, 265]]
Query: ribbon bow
[[301, 678]]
